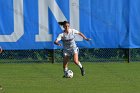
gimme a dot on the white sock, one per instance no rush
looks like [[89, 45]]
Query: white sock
[[65, 70], [80, 65]]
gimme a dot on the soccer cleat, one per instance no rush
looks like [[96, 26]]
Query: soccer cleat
[[82, 71]]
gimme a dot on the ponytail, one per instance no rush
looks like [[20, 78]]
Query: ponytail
[[63, 23]]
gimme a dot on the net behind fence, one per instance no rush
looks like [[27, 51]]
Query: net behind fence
[[85, 55]]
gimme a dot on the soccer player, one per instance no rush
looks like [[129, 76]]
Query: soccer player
[[69, 46], [1, 49]]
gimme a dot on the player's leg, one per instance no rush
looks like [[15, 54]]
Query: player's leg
[[65, 64], [65, 61], [77, 62]]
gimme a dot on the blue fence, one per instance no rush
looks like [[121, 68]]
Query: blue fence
[[33, 24]]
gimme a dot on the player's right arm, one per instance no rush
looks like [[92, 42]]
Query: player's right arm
[[58, 39], [57, 43]]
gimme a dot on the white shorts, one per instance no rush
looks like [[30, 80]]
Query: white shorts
[[69, 52]]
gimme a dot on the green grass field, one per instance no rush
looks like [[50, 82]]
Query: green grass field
[[47, 78]]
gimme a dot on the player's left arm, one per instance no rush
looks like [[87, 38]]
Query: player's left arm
[[81, 34]]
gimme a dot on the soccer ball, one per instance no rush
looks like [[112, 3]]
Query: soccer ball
[[69, 74]]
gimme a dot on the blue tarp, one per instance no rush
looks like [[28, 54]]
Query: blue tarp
[[109, 23]]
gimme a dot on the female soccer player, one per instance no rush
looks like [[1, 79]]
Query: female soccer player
[[69, 46], [1, 49]]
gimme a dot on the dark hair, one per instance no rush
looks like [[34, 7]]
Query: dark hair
[[63, 23]]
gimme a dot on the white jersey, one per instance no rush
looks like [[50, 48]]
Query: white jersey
[[68, 39]]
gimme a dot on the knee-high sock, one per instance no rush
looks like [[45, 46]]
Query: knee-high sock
[[79, 64], [65, 70]]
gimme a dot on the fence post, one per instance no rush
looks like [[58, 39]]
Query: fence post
[[53, 56], [51, 53], [128, 54]]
